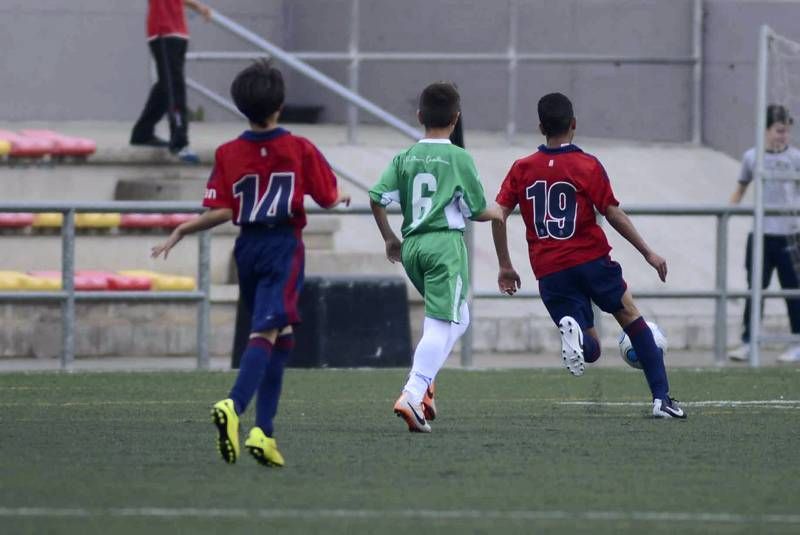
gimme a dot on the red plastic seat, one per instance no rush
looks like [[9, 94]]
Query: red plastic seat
[[64, 145], [144, 221], [15, 220], [119, 282], [27, 147], [177, 219], [84, 281]]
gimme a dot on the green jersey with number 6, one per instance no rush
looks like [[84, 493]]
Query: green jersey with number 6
[[435, 183]]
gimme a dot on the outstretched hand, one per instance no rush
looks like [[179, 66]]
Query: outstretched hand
[[508, 281], [659, 264], [393, 250], [344, 198], [164, 248]]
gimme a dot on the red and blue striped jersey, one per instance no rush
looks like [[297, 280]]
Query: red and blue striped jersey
[[264, 176]]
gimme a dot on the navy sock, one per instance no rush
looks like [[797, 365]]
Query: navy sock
[[591, 349], [251, 372], [269, 392], [650, 356]]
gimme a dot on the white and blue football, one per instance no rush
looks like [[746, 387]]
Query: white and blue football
[[629, 355]]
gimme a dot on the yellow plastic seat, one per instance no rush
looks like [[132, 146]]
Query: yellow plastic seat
[[40, 284], [48, 220], [162, 282], [11, 280], [5, 147], [92, 220]]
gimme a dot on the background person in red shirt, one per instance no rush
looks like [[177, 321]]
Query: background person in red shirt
[[558, 189], [168, 38]]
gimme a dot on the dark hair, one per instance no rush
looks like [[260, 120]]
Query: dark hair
[[439, 104], [258, 91], [778, 114], [555, 114]]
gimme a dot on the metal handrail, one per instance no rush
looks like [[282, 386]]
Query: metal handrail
[[307, 70], [721, 294], [68, 296]]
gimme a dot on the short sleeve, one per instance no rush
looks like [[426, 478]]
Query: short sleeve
[[387, 190], [600, 192], [319, 176], [746, 172], [473, 199], [217, 194], [507, 196]]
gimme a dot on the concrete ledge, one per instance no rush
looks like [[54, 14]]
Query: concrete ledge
[[109, 329]]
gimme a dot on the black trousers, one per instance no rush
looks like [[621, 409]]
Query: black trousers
[[777, 256], [168, 95]]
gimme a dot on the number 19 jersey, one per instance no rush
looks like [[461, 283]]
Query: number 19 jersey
[[435, 183], [557, 191]]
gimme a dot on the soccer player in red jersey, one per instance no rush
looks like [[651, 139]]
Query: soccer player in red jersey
[[259, 181], [558, 188], [168, 39]]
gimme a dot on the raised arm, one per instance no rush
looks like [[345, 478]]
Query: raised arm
[[393, 244], [507, 278], [205, 221], [623, 224]]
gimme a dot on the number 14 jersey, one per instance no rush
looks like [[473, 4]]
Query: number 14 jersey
[[557, 191], [263, 177], [435, 183]]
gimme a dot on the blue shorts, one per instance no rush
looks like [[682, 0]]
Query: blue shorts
[[570, 292], [270, 262]]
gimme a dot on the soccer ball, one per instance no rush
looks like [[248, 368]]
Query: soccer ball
[[626, 348]]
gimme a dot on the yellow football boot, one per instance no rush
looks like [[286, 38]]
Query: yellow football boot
[[224, 416], [263, 448]]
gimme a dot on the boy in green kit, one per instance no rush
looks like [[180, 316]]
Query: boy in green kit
[[437, 186]]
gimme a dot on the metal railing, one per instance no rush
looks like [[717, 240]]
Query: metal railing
[[720, 294], [68, 296], [512, 57]]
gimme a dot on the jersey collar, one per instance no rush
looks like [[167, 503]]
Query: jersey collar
[[563, 149], [430, 140], [269, 135]]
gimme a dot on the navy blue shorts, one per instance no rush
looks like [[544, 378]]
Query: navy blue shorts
[[270, 262], [570, 292]]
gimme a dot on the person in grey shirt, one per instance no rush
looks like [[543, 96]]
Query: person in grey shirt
[[781, 233]]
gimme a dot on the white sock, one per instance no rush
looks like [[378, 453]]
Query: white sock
[[428, 357], [457, 329], [416, 386]]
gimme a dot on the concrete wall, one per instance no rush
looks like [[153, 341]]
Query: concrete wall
[[88, 60], [620, 101]]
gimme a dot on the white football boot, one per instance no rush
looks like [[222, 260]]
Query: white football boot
[[571, 345]]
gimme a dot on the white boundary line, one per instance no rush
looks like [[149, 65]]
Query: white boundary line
[[456, 514]]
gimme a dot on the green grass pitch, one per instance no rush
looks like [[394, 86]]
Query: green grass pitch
[[513, 451]]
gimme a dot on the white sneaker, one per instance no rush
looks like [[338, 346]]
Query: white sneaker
[[667, 408], [571, 345], [413, 414], [792, 354], [740, 354]]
